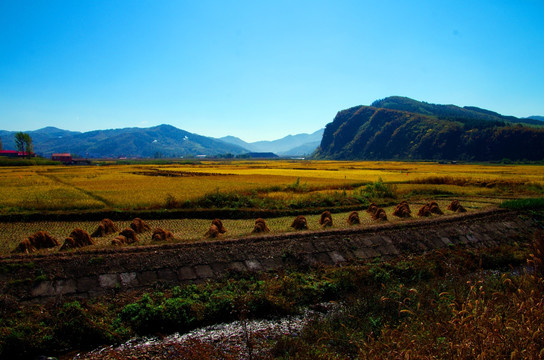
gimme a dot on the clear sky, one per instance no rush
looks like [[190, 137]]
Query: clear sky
[[256, 69]]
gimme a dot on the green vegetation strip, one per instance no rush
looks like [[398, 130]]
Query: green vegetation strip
[[524, 204]]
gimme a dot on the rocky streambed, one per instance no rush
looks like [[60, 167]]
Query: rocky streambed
[[241, 339]]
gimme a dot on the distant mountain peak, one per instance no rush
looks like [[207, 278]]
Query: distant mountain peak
[[289, 145]]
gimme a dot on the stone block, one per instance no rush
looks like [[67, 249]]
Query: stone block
[[323, 258], [305, 246], [361, 254], [377, 241], [253, 265], [437, 242], [271, 263], [64, 287], [446, 241], [108, 280], [186, 273], [372, 252], [167, 275], [147, 277], [368, 242], [43, 288], [336, 257], [203, 271], [219, 267], [128, 279], [387, 240], [237, 266], [391, 250], [87, 284]]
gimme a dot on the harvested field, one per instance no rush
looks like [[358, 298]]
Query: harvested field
[[191, 230]]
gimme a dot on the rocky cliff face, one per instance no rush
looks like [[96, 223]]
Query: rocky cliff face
[[366, 132]]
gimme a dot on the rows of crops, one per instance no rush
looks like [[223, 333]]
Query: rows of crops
[[190, 230]]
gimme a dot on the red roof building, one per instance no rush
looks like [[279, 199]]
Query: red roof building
[[62, 157], [13, 153]]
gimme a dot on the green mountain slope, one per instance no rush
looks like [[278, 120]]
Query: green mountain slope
[[162, 140], [442, 132]]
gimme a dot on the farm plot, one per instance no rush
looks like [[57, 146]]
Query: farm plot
[[191, 230], [129, 187]]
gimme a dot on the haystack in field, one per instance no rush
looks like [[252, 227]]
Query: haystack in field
[[77, 238], [402, 210], [213, 232], [139, 226], [372, 208], [119, 240], [300, 223], [379, 215], [424, 211], [326, 219], [106, 227], [456, 207], [260, 226], [25, 246], [130, 235], [219, 224], [125, 237], [40, 240], [353, 218], [435, 209], [160, 234]]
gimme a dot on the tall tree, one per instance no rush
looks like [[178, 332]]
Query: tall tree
[[1, 147], [20, 141], [23, 143]]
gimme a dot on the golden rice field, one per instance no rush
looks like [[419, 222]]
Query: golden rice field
[[124, 187], [78, 189]]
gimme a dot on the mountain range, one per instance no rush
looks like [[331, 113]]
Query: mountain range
[[392, 128], [291, 145], [159, 141], [403, 128]]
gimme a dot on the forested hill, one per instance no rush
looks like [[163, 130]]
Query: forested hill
[[444, 132]]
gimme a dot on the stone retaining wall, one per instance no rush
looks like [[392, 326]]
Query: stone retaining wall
[[92, 273]]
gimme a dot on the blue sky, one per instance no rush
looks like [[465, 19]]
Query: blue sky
[[260, 70]]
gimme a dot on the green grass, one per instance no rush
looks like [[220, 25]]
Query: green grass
[[524, 204]]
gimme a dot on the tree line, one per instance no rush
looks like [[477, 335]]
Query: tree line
[[23, 143]]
